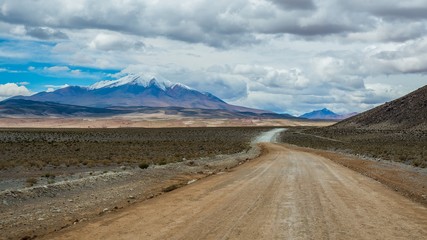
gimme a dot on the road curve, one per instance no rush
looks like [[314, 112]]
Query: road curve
[[284, 194]]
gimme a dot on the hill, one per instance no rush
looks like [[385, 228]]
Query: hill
[[29, 108], [21, 107], [325, 114], [407, 112]]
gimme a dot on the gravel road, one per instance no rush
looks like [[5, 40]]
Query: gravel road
[[284, 194]]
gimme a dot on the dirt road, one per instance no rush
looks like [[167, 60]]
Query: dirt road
[[284, 194]]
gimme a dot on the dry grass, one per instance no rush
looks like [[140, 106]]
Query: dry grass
[[409, 147], [37, 148]]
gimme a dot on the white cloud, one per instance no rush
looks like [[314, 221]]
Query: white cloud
[[114, 42], [12, 89], [51, 88], [8, 70], [56, 69]]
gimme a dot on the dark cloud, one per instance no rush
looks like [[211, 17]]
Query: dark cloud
[[390, 10], [45, 33], [219, 24], [316, 29], [295, 4], [405, 12]]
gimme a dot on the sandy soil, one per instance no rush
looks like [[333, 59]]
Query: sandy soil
[[406, 180], [285, 194], [147, 122]]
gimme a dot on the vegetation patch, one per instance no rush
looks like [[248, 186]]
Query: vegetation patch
[[143, 165], [38, 148], [171, 187], [409, 147]]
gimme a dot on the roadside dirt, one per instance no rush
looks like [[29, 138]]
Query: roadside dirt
[[35, 211], [406, 180], [284, 194]]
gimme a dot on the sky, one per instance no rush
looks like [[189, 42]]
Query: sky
[[288, 56]]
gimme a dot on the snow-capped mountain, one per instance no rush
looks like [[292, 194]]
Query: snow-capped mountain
[[136, 90]]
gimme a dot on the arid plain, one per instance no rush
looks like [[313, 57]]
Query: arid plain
[[53, 200]]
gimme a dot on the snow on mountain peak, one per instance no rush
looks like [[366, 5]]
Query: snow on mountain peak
[[141, 79]]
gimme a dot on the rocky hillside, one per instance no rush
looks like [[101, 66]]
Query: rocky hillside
[[407, 112]]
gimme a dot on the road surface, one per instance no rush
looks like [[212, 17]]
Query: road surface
[[284, 194]]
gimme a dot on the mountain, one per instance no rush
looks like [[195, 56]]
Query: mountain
[[136, 90], [28, 108], [21, 107], [407, 112], [325, 114]]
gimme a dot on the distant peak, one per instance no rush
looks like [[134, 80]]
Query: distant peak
[[325, 110]]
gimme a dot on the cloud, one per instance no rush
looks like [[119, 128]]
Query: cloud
[[9, 70], [266, 78], [45, 33], [51, 88], [114, 42], [65, 72], [222, 24], [394, 10], [12, 89], [410, 57], [56, 69], [391, 32], [295, 4]]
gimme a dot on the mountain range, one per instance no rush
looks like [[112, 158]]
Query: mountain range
[[134, 93], [326, 114], [407, 112], [138, 93], [137, 90], [29, 108]]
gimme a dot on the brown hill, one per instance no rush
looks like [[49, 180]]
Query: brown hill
[[407, 112]]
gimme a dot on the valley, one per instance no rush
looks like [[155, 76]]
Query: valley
[[196, 119]]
